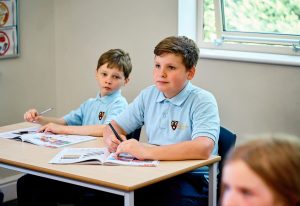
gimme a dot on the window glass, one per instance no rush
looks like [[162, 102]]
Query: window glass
[[209, 28], [268, 16], [250, 25]]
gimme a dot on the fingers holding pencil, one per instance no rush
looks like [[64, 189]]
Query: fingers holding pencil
[[32, 115], [112, 138]]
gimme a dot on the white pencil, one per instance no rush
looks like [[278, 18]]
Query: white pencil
[[45, 111]]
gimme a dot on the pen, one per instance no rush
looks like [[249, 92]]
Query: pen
[[115, 132], [45, 111], [24, 132]]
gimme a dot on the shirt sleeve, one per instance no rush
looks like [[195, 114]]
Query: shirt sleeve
[[133, 117], [116, 109], [205, 118], [75, 116]]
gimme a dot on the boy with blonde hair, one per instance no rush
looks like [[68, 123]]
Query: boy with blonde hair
[[263, 171]]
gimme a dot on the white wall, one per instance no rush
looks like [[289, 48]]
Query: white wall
[[29, 81], [253, 98]]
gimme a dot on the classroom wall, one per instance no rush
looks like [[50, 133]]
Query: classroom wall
[[61, 41], [30, 80], [253, 98], [85, 29]]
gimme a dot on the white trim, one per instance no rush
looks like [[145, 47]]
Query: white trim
[[187, 10], [250, 57], [218, 17]]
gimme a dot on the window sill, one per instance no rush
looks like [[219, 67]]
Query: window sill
[[263, 58]]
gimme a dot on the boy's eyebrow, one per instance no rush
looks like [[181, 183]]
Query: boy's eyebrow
[[120, 73]]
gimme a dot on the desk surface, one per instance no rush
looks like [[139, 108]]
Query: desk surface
[[127, 178]]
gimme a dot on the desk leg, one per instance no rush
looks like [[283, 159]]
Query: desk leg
[[129, 199], [212, 188]]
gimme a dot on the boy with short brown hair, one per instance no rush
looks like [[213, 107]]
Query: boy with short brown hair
[[180, 119]]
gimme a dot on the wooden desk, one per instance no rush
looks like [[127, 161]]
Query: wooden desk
[[121, 180]]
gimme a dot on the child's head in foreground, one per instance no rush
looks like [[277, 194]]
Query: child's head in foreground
[[263, 172]]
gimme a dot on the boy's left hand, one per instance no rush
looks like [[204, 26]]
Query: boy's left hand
[[53, 128], [134, 148]]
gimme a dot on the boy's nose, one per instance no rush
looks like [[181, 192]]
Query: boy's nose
[[163, 73], [108, 80]]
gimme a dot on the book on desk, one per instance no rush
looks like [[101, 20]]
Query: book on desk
[[98, 156], [31, 135]]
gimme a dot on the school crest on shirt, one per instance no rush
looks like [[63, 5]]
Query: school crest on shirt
[[174, 124], [101, 115]]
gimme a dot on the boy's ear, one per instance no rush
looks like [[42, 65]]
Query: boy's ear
[[191, 73], [126, 81], [96, 72]]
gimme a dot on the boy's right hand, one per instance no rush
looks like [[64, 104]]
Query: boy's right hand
[[32, 115], [112, 142]]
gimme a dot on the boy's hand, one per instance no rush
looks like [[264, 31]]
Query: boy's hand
[[134, 148], [31, 115], [53, 128], [112, 142]]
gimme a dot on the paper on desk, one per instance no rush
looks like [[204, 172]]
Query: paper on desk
[[14, 133]]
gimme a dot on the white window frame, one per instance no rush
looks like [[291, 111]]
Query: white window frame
[[190, 23], [292, 41]]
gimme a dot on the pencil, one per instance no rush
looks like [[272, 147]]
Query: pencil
[[115, 132], [45, 111]]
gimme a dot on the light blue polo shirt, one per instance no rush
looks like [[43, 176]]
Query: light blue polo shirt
[[190, 114], [98, 110]]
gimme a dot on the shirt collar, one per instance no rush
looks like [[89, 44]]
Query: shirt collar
[[179, 98], [108, 98]]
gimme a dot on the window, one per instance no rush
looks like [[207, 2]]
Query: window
[[269, 34], [269, 26]]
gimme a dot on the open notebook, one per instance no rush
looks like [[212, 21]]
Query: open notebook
[[98, 156], [31, 135]]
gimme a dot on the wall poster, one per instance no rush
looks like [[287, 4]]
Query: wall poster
[[9, 28]]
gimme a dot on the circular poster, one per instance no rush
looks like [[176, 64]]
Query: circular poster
[[4, 13], [4, 43]]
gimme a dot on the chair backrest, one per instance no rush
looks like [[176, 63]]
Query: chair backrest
[[135, 134], [1, 197], [226, 141]]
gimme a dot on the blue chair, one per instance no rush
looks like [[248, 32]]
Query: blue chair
[[1, 197], [135, 134], [227, 140]]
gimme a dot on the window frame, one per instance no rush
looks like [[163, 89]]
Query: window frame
[[189, 24], [223, 36], [251, 37]]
